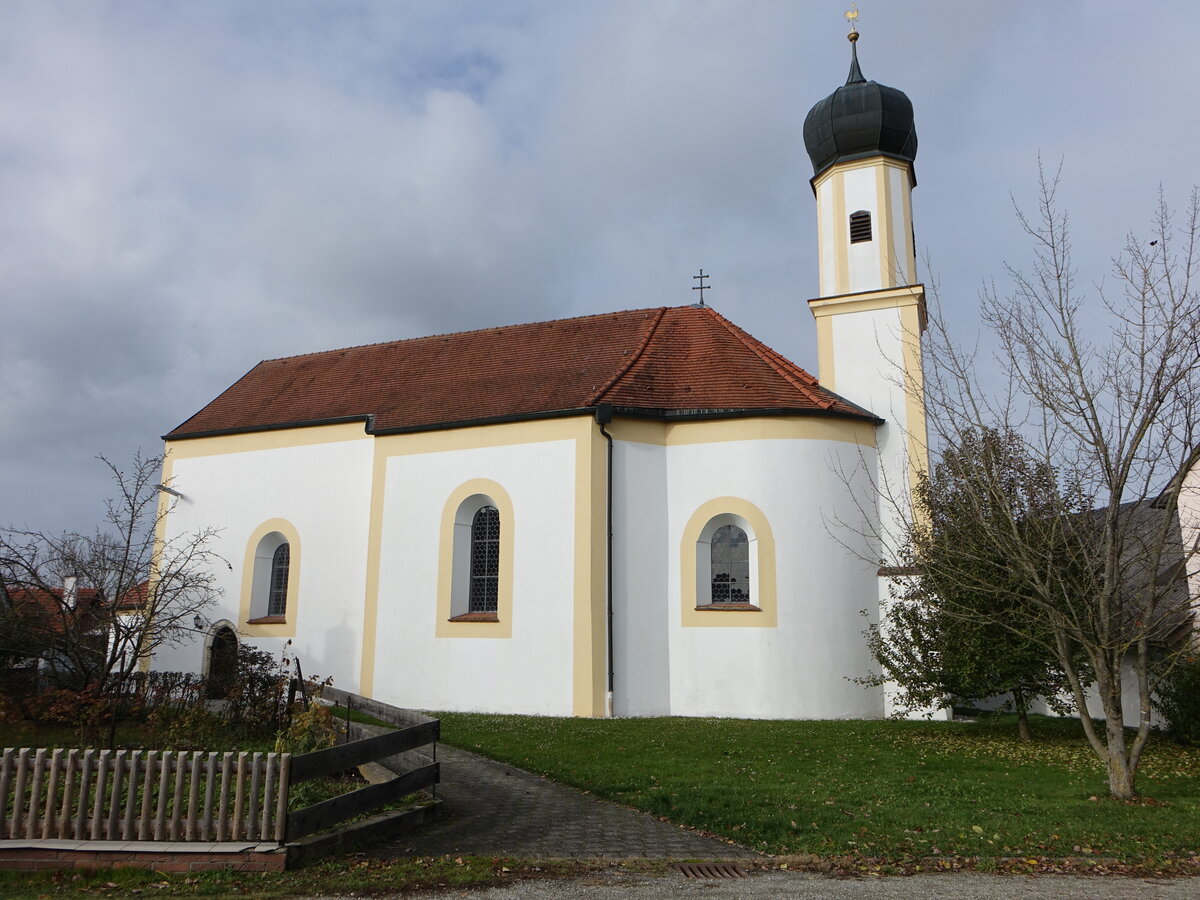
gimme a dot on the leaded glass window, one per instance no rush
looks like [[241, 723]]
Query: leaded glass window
[[730, 561], [277, 598], [485, 560]]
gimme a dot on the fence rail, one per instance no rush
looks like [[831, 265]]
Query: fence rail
[[336, 759], [143, 795]]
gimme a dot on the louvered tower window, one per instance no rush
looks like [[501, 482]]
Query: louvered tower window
[[485, 560], [860, 226]]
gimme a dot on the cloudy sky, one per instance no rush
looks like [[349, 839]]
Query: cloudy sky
[[188, 188]]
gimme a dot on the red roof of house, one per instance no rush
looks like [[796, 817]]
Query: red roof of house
[[671, 361], [52, 612], [50, 602]]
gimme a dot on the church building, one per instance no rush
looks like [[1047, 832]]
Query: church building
[[637, 513]]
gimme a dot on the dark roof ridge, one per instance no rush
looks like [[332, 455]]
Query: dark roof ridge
[[633, 358], [450, 334], [772, 358]]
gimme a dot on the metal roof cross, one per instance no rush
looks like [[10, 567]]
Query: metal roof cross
[[701, 287]]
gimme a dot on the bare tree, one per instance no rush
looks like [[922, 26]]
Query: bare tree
[[1099, 410], [95, 607]]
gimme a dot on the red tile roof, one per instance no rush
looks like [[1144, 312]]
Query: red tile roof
[[50, 613], [671, 361]]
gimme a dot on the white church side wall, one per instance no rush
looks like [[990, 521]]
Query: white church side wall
[[642, 606], [320, 487], [529, 671], [799, 666]]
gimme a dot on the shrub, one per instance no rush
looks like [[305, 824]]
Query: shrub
[[311, 729], [257, 697], [189, 728], [1179, 701]]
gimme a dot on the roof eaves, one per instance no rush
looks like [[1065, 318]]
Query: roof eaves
[[368, 421], [486, 420], [742, 412]]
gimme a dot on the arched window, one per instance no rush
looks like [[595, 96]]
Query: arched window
[[729, 565], [277, 601], [860, 226], [272, 588], [475, 569], [481, 564], [485, 560], [726, 564]]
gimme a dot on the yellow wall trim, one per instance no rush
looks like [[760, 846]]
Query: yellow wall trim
[[589, 641], [366, 664], [888, 275], [502, 628], [917, 447], [750, 428], [826, 359], [867, 162], [276, 439], [287, 628], [763, 594], [841, 236], [889, 298], [163, 508]]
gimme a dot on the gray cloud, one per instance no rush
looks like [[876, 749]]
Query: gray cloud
[[189, 188]]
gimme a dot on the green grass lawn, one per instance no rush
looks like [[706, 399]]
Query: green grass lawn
[[891, 790]]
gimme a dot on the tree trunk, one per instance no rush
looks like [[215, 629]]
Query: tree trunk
[[1120, 771], [1120, 778], [1022, 715]]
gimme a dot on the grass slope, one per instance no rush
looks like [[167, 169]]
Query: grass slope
[[892, 790]]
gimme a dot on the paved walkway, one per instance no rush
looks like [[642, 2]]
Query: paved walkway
[[489, 808], [800, 886]]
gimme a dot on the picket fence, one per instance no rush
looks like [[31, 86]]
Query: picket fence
[[143, 795]]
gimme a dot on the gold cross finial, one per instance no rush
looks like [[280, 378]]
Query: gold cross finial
[[852, 18]]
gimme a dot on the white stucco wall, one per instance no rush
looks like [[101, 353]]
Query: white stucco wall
[[642, 604], [323, 490], [529, 672], [801, 667], [901, 230], [864, 258]]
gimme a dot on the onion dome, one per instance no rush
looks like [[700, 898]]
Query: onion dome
[[860, 119]]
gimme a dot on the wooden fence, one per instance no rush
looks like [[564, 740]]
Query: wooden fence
[[151, 795], [322, 815], [143, 795]]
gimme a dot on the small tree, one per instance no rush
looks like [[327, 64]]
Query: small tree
[[959, 628], [1102, 403], [93, 608]]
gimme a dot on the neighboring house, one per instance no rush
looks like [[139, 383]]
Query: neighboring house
[[63, 632], [1158, 559], [53, 630], [642, 513]]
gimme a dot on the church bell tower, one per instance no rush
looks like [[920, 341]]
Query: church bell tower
[[871, 310]]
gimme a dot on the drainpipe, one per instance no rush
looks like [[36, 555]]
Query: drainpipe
[[604, 415]]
